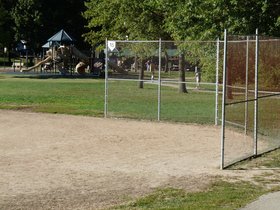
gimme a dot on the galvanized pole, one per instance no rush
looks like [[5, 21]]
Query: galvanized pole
[[159, 80], [224, 101], [256, 94], [217, 84], [246, 86], [106, 80]]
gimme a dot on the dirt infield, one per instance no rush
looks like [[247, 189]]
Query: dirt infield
[[75, 162]]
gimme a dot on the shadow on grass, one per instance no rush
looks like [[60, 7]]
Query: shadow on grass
[[59, 76], [268, 160]]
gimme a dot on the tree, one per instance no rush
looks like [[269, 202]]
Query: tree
[[181, 20], [116, 19], [182, 80], [6, 23], [4, 18], [204, 20], [27, 18]]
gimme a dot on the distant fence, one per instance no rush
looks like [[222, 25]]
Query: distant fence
[[148, 77]]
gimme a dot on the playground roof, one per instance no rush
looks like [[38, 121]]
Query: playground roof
[[47, 45], [61, 36], [50, 44]]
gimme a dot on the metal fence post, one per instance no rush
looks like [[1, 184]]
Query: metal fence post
[[159, 80], [256, 95], [224, 100], [106, 80], [217, 84], [246, 85]]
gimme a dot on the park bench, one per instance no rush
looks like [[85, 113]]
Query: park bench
[[17, 64]]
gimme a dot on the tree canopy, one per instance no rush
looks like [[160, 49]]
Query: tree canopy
[[117, 19], [36, 20], [179, 20], [27, 20], [6, 23]]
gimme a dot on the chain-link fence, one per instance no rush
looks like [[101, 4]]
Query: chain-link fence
[[251, 97], [182, 81], [162, 80]]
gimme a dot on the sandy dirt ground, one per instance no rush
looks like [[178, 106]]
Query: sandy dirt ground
[[74, 162]]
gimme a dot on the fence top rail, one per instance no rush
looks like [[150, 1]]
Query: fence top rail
[[135, 41], [162, 80], [195, 41], [251, 40], [163, 41]]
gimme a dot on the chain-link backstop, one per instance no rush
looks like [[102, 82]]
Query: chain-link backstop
[[251, 97], [235, 81]]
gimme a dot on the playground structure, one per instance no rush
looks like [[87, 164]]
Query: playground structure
[[61, 58], [62, 55]]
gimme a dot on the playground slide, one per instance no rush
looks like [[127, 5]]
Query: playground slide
[[77, 53], [48, 59]]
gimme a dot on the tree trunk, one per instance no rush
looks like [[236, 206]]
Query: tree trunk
[[9, 57], [135, 64], [141, 74], [182, 84], [229, 84], [166, 61]]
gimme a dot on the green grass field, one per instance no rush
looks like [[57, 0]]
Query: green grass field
[[219, 195], [127, 100], [268, 116], [85, 96], [69, 96]]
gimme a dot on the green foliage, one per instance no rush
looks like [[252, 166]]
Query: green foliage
[[116, 19], [207, 19], [184, 19], [146, 49], [3, 20], [102, 19], [269, 80], [180, 20], [203, 55], [148, 19], [27, 19], [269, 66], [6, 24]]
